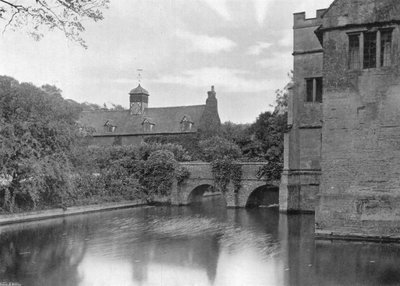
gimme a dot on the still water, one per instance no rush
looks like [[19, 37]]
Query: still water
[[204, 244]]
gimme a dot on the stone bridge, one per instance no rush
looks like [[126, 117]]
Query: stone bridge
[[201, 180]]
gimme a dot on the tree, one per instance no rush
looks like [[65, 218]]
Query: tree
[[282, 96], [37, 132], [36, 16], [217, 147], [235, 132]]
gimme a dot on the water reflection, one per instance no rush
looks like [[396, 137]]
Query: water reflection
[[47, 255], [203, 244]]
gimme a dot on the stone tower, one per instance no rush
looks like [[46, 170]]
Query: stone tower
[[302, 169], [138, 100]]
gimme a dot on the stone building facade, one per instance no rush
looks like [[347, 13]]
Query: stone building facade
[[302, 167], [130, 127], [358, 192]]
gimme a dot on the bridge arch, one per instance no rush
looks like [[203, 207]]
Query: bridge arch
[[249, 190], [196, 194], [265, 195], [201, 178]]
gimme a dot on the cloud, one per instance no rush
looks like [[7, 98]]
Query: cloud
[[228, 80], [261, 9], [258, 48], [277, 61], [219, 6], [287, 38], [205, 43]]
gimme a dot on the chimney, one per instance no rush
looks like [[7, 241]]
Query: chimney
[[210, 123], [212, 93]]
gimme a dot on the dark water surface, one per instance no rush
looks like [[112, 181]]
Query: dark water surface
[[184, 246]]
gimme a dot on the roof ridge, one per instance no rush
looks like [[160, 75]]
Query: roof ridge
[[180, 106], [105, 111]]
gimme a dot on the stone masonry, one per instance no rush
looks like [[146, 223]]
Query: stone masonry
[[201, 179], [301, 176], [360, 188], [359, 148]]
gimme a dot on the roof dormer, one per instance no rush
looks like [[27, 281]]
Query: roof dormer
[[109, 127], [186, 123], [148, 125]]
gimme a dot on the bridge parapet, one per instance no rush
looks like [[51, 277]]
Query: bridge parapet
[[203, 170], [198, 170]]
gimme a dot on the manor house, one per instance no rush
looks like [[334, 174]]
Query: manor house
[[342, 153], [132, 126]]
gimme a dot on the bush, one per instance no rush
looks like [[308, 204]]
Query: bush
[[217, 148], [157, 173], [189, 142], [126, 172], [181, 174], [180, 154]]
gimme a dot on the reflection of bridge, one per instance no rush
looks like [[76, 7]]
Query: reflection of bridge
[[201, 180]]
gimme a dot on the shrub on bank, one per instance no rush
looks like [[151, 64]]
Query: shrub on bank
[[126, 172]]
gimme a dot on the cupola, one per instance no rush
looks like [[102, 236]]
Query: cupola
[[138, 100]]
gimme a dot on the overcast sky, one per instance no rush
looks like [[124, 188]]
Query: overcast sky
[[243, 47]]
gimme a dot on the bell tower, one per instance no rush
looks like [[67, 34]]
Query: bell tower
[[138, 100]]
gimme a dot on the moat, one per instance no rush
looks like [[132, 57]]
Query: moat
[[203, 244]]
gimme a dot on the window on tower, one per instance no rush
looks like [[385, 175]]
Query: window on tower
[[314, 89], [370, 50], [136, 108], [386, 48], [354, 51]]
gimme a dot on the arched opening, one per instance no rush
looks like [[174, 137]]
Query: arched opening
[[200, 192], [266, 196]]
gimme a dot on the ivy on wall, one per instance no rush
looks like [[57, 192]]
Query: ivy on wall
[[225, 171]]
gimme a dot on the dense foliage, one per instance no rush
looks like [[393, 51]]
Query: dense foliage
[[222, 154], [189, 142], [158, 173], [226, 171], [43, 164], [37, 132], [128, 172], [216, 148]]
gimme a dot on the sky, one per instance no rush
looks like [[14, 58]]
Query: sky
[[242, 47]]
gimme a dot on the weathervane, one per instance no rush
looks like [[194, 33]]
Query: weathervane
[[139, 77]]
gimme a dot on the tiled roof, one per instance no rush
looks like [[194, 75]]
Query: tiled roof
[[166, 120], [139, 90]]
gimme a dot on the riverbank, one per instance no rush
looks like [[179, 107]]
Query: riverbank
[[7, 219]]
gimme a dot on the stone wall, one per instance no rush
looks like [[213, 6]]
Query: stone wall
[[201, 176], [360, 188], [303, 142]]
